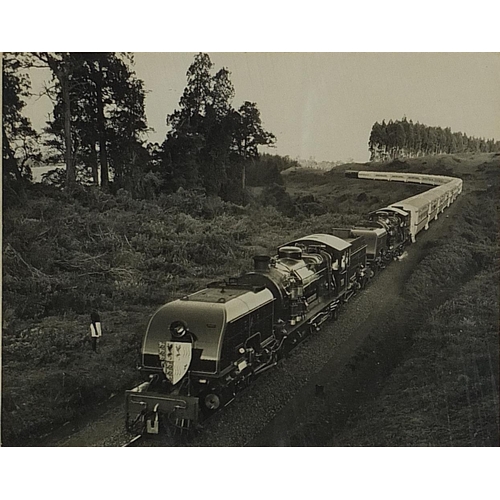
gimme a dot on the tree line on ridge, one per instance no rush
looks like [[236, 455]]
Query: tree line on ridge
[[403, 138]]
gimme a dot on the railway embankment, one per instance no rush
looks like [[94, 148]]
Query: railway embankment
[[445, 390]]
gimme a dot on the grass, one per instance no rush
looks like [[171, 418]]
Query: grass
[[446, 392]]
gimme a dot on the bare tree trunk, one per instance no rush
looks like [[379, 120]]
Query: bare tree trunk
[[244, 170], [70, 168], [103, 156], [61, 68]]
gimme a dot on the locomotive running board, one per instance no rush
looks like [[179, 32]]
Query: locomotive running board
[[319, 319]]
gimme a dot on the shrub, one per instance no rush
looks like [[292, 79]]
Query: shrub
[[276, 196]]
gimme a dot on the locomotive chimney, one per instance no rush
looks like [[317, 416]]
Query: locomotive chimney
[[261, 262]]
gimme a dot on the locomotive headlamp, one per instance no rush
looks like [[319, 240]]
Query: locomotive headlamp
[[242, 350], [212, 401], [178, 329]]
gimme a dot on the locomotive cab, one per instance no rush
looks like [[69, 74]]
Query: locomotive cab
[[357, 269], [340, 255], [376, 241], [397, 223]]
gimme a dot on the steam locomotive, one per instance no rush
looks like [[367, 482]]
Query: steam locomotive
[[199, 351]]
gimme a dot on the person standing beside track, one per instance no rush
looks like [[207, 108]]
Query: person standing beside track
[[95, 329]]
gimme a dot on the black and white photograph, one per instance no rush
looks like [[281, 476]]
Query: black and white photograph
[[218, 249], [194, 256]]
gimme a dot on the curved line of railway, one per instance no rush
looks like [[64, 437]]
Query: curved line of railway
[[417, 212]]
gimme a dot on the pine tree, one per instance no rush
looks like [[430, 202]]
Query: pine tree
[[186, 138], [63, 65], [374, 142], [209, 142]]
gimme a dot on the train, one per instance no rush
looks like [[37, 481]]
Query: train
[[201, 350]]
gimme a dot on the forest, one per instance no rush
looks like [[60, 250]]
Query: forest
[[98, 129], [405, 139]]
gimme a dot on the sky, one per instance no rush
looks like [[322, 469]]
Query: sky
[[322, 105]]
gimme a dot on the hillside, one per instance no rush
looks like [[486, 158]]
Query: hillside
[[64, 257], [445, 390]]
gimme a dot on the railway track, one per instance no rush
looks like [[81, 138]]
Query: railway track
[[133, 442]]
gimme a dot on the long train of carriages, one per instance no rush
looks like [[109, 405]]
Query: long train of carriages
[[201, 350]]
